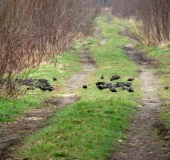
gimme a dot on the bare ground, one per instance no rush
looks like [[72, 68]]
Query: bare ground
[[12, 134], [97, 34], [79, 79], [147, 137]]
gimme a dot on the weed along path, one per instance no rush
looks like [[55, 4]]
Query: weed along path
[[12, 134], [143, 142]]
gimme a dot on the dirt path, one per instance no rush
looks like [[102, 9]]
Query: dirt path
[[98, 35], [12, 134], [143, 142], [80, 78]]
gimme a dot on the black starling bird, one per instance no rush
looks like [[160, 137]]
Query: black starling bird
[[43, 88], [26, 159], [130, 89], [166, 87], [114, 77], [49, 88], [101, 87], [84, 86], [54, 79], [113, 89], [119, 84], [131, 79], [124, 87], [128, 84], [98, 83], [108, 85], [43, 80], [111, 79], [31, 88], [102, 77]]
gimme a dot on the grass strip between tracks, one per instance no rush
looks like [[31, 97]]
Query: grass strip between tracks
[[87, 129]]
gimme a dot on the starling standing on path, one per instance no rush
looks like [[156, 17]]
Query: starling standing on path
[[130, 89], [166, 87], [128, 84], [84, 86], [113, 89], [49, 88], [114, 77], [54, 79], [131, 79], [102, 77]]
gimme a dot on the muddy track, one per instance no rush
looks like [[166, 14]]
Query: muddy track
[[12, 134], [143, 142]]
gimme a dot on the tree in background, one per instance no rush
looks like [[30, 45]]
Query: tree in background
[[154, 22], [152, 15], [124, 8]]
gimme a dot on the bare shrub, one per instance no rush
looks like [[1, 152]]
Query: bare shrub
[[31, 30], [18, 39], [124, 8], [155, 19]]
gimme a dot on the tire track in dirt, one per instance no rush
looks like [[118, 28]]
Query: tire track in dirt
[[80, 78], [12, 134], [143, 142], [97, 34]]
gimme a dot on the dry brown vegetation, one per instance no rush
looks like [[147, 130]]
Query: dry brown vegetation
[[153, 18], [123, 8], [31, 30]]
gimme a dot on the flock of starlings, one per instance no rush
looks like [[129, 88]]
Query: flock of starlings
[[113, 87]]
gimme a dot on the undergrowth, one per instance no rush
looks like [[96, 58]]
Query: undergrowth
[[66, 66]]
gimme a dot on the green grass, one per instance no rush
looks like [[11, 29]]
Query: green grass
[[10, 109], [87, 129], [161, 55]]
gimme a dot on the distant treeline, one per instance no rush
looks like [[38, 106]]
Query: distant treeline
[[153, 18]]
